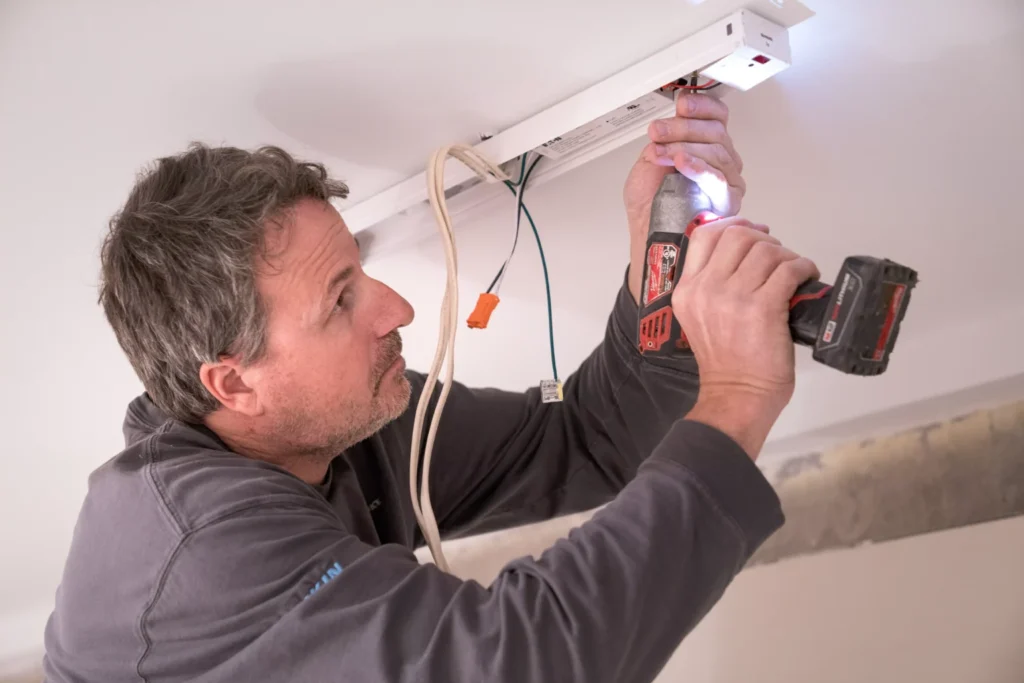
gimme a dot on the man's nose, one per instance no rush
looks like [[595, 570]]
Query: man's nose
[[395, 311]]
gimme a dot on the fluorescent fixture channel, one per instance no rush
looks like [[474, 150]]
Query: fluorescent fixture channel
[[740, 51]]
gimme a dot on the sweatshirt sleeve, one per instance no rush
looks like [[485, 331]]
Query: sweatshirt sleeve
[[609, 603], [505, 458]]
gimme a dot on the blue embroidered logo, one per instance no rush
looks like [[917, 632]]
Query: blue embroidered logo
[[331, 572]]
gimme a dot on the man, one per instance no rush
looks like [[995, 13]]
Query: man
[[257, 526]]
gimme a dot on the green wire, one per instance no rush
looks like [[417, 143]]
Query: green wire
[[543, 261], [522, 172], [547, 286]]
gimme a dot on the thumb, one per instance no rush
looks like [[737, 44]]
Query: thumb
[[654, 166]]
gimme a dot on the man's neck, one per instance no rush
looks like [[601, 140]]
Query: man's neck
[[310, 468]]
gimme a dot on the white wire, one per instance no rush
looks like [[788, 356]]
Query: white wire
[[445, 352]]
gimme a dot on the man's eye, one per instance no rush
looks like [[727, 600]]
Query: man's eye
[[344, 299]]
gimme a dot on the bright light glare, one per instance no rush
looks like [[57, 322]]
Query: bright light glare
[[715, 188]]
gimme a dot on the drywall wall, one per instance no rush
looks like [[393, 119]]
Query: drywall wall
[[906, 146], [944, 607]]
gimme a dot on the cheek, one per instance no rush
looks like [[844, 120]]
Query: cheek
[[302, 371], [338, 364], [322, 364]]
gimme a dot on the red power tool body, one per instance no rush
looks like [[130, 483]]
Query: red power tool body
[[852, 327]]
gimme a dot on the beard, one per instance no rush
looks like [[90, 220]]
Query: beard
[[323, 435]]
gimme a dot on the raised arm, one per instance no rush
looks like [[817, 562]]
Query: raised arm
[[609, 603], [505, 458]]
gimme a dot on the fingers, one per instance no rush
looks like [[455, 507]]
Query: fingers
[[716, 154], [760, 262], [789, 275], [736, 242], [745, 255], [717, 149], [702, 151], [705, 240], [697, 143], [699, 106], [687, 130], [724, 195]]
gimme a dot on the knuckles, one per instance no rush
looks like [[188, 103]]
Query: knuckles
[[722, 155], [739, 231], [719, 133], [764, 251]]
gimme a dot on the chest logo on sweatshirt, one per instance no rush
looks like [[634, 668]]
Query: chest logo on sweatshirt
[[332, 571]]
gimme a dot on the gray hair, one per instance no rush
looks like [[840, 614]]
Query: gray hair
[[179, 264]]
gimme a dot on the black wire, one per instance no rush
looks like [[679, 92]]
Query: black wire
[[523, 179], [520, 210], [522, 171], [495, 280], [515, 240]]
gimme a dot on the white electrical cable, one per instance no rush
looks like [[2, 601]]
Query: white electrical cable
[[445, 352]]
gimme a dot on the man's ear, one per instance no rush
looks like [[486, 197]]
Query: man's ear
[[226, 381]]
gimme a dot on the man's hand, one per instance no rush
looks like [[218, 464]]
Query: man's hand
[[695, 143], [732, 301]]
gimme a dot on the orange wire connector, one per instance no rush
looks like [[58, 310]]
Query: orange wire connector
[[482, 313]]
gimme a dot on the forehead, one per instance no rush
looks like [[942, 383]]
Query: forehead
[[303, 249], [309, 229]]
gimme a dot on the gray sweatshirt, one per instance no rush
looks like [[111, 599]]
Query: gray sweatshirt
[[192, 563]]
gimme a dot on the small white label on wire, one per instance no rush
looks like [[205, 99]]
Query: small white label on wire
[[580, 137], [550, 391]]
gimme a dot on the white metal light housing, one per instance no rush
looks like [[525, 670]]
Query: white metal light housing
[[740, 51]]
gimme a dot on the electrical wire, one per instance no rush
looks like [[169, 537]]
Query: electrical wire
[[547, 279], [521, 209], [710, 85], [517, 189], [444, 355], [515, 240]]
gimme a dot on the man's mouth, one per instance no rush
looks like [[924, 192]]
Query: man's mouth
[[392, 358], [395, 349]]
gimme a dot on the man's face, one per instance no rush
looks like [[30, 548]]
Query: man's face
[[333, 373]]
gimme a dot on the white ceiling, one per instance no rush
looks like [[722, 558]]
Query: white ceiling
[[913, 106], [897, 132], [369, 88]]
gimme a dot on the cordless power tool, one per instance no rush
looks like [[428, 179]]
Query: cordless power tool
[[852, 326]]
